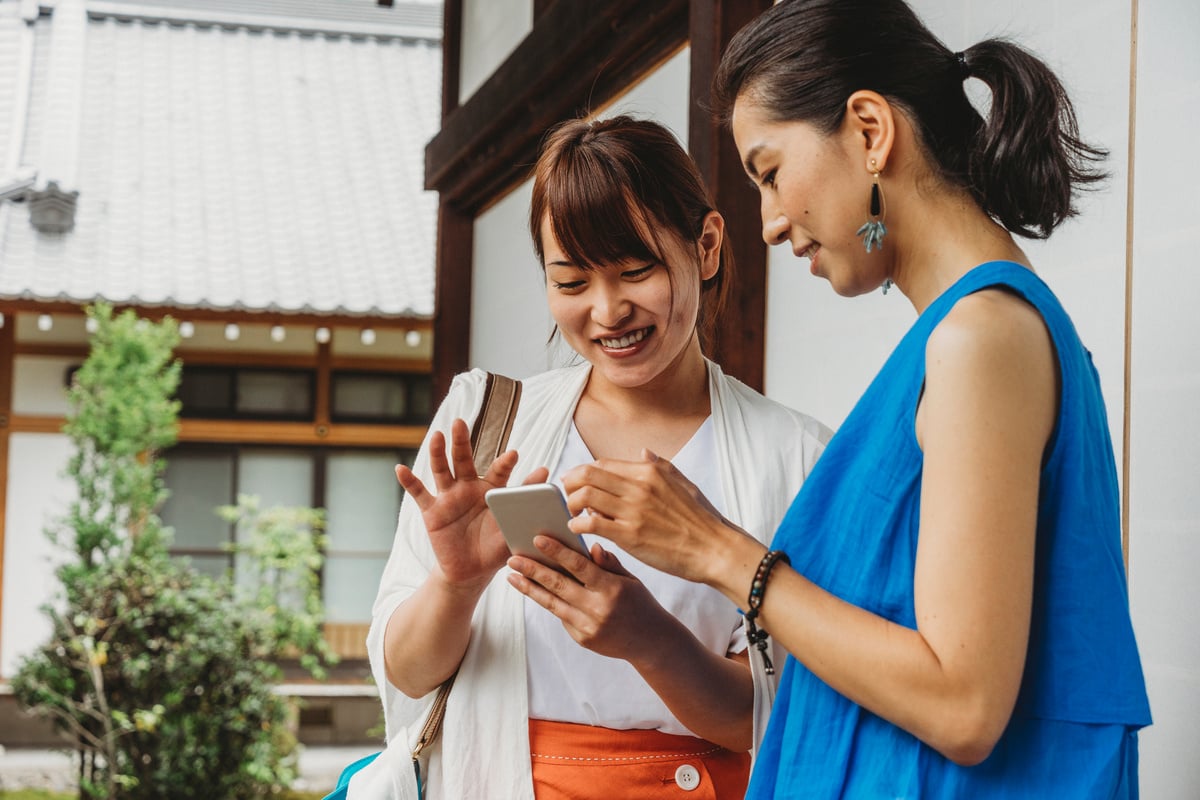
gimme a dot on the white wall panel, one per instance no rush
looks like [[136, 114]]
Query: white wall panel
[[40, 384], [1164, 425], [37, 495], [491, 29]]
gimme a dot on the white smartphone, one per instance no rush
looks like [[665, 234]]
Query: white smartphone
[[525, 511]]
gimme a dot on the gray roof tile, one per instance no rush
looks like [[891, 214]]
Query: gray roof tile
[[225, 167]]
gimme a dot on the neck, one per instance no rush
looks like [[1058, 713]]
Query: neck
[[679, 391], [941, 237]]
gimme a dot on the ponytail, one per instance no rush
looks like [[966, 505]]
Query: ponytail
[[1028, 160], [801, 59]]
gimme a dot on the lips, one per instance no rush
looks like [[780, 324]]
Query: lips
[[624, 340], [809, 251]]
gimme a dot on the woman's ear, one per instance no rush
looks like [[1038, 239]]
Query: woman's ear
[[712, 234], [870, 123]]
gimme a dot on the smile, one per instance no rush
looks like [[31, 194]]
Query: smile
[[625, 341]]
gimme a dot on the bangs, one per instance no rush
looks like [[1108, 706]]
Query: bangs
[[596, 221]]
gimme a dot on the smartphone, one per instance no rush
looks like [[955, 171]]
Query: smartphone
[[525, 511]]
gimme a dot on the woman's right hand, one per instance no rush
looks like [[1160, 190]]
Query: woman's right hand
[[465, 537]]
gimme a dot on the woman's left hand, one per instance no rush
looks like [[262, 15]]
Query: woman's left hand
[[602, 606]]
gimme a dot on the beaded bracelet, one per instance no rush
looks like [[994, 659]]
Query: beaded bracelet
[[758, 587]]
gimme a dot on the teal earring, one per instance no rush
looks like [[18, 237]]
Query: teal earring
[[873, 230]]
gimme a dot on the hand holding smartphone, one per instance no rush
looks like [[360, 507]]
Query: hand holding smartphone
[[525, 511]]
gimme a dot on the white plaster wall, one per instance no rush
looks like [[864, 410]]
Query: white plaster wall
[[39, 385], [510, 325], [37, 493], [491, 29], [1165, 429]]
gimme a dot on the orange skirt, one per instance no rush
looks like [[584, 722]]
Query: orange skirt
[[576, 762]]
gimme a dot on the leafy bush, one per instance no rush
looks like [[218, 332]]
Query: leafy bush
[[162, 678]]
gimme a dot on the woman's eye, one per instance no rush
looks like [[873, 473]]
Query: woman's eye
[[769, 178], [640, 272], [568, 286]]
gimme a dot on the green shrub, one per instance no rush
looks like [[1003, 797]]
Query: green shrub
[[162, 678]]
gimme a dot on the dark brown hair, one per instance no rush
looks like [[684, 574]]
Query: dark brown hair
[[611, 187], [802, 59]]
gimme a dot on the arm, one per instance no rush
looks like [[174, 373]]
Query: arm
[[609, 611], [427, 634], [987, 413]]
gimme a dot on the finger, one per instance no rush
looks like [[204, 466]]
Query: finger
[[600, 525], [609, 562], [539, 475], [501, 469], [596, 501], [439, 466], [413, 487], [549, 581], [541, 595], [580, 567], [460, 451]]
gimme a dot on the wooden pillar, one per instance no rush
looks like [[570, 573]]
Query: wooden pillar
[[740, 345], [7, 353], [455, 235]]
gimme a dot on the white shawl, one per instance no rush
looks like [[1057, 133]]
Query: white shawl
[[764, 451]]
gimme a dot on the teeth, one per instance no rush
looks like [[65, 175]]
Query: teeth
[[626, 340]]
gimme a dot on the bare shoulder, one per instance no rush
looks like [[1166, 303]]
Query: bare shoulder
[[991, 329], [991, 362]]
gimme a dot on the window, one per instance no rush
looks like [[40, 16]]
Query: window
[[357, 488], [245, 393], [382, 397], [330, 465]]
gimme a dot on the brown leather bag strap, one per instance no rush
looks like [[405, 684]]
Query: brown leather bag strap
[[489, 437], [433, 723]]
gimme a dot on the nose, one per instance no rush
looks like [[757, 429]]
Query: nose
[[774, 224], [610, 307]]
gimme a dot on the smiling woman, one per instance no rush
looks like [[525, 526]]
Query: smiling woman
[[619, 680]]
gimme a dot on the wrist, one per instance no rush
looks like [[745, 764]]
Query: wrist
[[468, 591], [736, 558], [756, 635]]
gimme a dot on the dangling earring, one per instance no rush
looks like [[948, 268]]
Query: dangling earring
[[873, 230]]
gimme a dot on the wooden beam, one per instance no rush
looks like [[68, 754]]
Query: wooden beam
[[579, 55], [455, 235], [323, 389], [452, 12], [14, 306], [740, 345], [248, 358], [452, 298], [258, 432], [6, 392]]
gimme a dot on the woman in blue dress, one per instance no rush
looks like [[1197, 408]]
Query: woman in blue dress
[[949, 583]]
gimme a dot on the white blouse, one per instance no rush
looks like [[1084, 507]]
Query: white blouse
[[567, 682]]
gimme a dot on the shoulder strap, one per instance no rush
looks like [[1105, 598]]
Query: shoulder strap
[[489, 437]]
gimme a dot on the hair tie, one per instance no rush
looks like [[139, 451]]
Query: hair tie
[[964, 70]]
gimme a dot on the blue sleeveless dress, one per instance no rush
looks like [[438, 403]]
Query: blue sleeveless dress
[[853, 531]]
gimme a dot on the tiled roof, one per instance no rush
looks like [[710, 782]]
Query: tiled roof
[[421, 19], [234, 167]]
